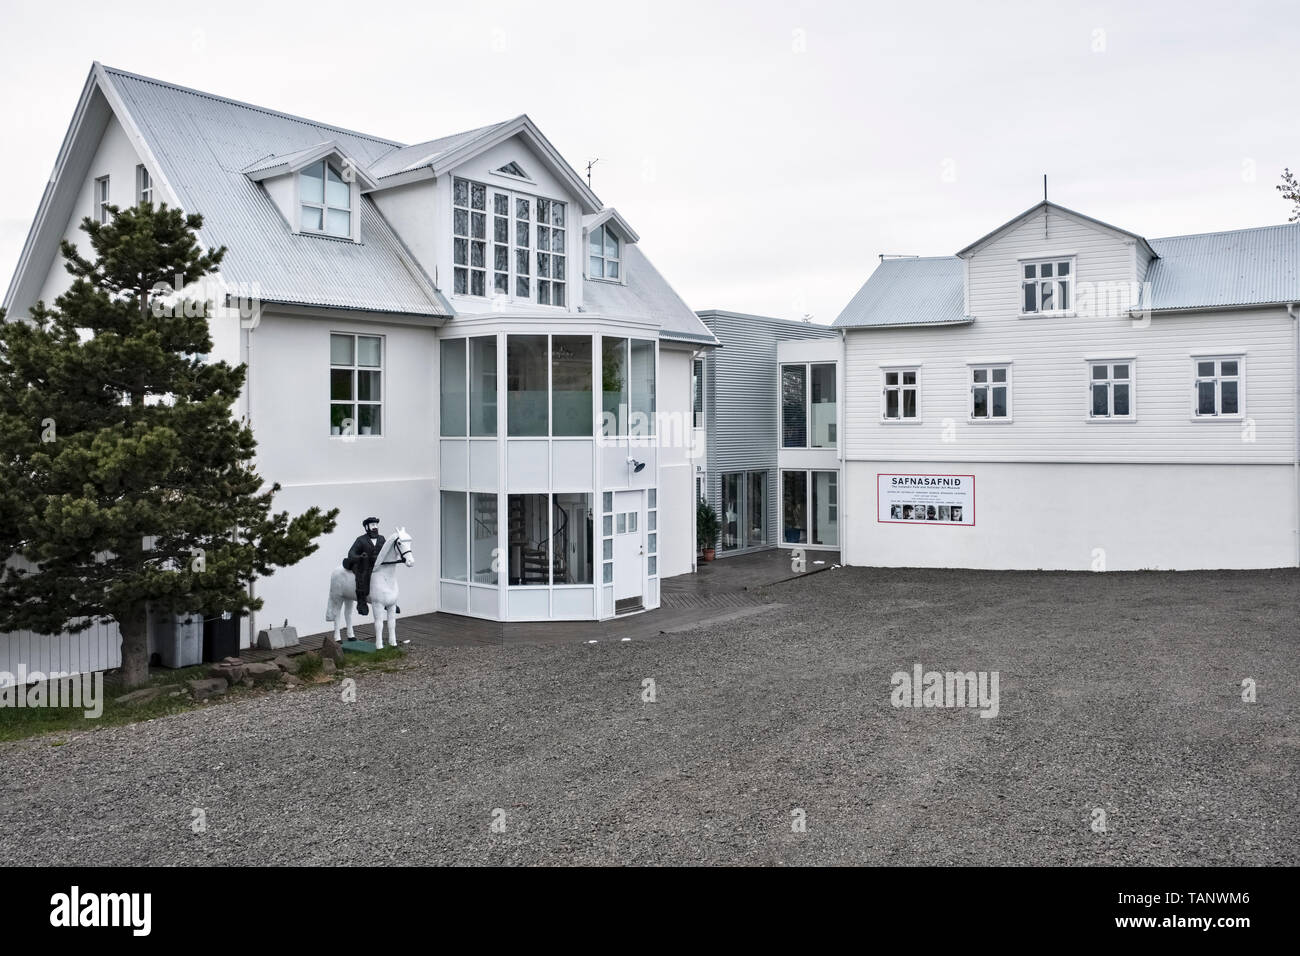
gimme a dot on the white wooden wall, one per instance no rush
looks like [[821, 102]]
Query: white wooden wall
[[97, 648]]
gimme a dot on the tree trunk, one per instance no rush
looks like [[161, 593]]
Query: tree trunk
[[134, 628]]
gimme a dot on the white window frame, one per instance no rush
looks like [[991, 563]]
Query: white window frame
[[807, 366], [1055, 279], [989, 384], [900, 387], [1218, 358], [513, 246], [101, 200], [143, 185], [325, 205], [605, 260], [355, 403], [1110, 381]]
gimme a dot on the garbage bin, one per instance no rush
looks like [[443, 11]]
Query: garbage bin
[[178, 638], [221, 636]]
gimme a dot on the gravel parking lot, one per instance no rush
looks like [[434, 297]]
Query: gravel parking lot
[[1119, 693]]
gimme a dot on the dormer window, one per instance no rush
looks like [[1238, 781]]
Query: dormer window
[[605, 253], [325, 200], [1045, 286]]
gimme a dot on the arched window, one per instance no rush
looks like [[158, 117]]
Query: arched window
[[325, 200]]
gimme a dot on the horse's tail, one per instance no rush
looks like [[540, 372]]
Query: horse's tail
[[334, 602]]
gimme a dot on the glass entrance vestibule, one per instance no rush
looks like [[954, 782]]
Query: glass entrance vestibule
[[744, 511], [547, 444]]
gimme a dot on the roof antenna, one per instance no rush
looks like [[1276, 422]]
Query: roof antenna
[[1045, 211], [1044, 187], [590, 163]]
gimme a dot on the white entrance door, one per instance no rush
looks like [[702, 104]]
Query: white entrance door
[[629, 550]]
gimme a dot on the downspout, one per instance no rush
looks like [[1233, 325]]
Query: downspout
[[842, 383], [248, 417], [1295, 420]]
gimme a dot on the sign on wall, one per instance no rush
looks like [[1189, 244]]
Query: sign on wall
[[947, 500]]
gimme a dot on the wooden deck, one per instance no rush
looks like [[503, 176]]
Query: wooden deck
[[723, 589]]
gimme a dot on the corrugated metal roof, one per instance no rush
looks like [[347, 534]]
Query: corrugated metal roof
[[423, 154], [286, 160], [647, 296], [203, 144], [902, 292], [1257, 266]]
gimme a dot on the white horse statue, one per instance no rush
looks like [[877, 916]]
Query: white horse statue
[[383, 590]]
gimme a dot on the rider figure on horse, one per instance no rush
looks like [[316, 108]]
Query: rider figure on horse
[[361, 560]]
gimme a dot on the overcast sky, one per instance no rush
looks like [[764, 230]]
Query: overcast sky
[[766, 152]]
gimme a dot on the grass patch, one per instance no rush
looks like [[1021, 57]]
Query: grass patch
[[19, 723]]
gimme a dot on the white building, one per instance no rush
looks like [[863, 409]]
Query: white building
[[1065, 394], [456, 336]]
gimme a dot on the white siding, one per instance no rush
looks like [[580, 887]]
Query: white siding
[[97, 648], [1049, 400]]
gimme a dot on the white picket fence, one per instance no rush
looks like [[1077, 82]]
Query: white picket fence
[[97, 648]]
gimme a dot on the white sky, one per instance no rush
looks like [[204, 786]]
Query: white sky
[[766, 152]]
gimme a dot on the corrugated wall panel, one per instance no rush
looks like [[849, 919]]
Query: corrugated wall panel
[[741, 402]]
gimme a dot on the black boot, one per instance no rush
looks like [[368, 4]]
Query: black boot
[[362, 608]]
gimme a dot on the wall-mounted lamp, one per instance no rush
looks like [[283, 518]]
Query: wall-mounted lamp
[[635, 465]]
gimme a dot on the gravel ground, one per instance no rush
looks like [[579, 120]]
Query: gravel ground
[[1119, 692]]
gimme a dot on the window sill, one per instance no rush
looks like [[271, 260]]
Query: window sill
[[902, 421], [1219, 418], [351, 437], [1110, 419], [1062, 314], [1007, 420]]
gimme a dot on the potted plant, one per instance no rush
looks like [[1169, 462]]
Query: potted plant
[[706, 529]]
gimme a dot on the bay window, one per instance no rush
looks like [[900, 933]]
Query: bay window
[[526, 386], [468, 387], [571, 385], [627, 387]]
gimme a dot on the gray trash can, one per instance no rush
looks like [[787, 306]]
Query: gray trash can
[[178, 638]]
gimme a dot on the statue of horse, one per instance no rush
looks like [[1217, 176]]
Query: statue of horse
[[383, 590]]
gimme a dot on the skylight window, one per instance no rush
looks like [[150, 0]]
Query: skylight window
[[325, 200]]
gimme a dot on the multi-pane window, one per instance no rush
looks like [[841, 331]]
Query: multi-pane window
[[900, 395], [101, 199], [356, 385], [500, 244], [324, 200], [604, 253], [520, 240], [990, 392], [1110, 390], [469, 240], [1045, 285], [551, 252], [1218, 386], [627, 387], [143, 185], [523, 247]]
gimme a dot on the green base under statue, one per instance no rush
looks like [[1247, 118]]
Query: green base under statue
[[359, 647]]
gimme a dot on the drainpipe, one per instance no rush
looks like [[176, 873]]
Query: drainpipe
[[842, 385], [1295, 419], [248, 416]]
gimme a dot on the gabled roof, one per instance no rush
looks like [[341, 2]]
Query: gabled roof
[[608, 214], [908, 292], [407, 159], [281, 165], [442, 155], [197, 146], [647, 297], [1048, 205], [1259, 266]]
